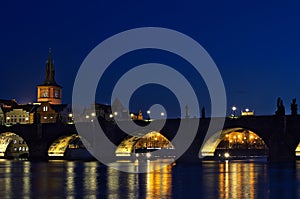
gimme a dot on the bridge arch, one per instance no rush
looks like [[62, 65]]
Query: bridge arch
[[60, 146], [297, 150], [13, 146], [143, 143], [233, 136]]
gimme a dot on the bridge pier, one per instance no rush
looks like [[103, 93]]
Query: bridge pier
[[38, 153], [280, 152], [38, 149], [282, 144]]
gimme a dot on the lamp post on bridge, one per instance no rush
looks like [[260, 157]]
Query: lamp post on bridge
[[148, 113], [234, 111]]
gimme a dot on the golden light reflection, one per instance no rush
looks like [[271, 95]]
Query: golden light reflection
[[70, 175], [6, 185], [232, 175], [26, 179], [159, 181], [157, 184], [90, 178], [113, 182]]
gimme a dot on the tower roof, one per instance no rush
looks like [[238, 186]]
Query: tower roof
[[50, 72]]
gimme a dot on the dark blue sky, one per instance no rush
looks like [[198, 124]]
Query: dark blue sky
[[255, 44]]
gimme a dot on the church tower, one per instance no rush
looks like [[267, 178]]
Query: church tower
[[49, 91]]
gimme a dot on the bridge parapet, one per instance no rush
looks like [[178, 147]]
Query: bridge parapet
[[281, 134]]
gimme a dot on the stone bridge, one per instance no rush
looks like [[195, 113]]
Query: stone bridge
[[280, 134]]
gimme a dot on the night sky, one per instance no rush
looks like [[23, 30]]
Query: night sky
[[255, 44]]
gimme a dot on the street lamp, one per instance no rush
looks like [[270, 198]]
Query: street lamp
[[131, 116], [148, 113], [233, 109]]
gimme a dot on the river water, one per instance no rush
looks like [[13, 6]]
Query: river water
[[208, 179]]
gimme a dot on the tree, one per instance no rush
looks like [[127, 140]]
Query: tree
[[294, 107]]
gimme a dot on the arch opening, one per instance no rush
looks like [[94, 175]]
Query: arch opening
[[13, 146], [297, 151], [235, 142], [68, 147], [137, 146]]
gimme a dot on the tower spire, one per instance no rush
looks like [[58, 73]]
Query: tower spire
[[49, 80], [49, 91]]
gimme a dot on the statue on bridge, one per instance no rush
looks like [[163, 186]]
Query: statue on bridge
[[294, 107], [280, 107]]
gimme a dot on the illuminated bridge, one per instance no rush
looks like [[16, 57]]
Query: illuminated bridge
[[277, 136]]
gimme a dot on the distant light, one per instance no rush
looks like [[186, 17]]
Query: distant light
[[115, 113], [247, 110], [148, 155], [26, 118], [162, 114], [70, 115], [226, 155], [93, 114], [148, 112], [111, 115], [234, 108], [87, 116]]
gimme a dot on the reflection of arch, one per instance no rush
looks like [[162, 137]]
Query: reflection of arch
[[212, 143], [148, 142], [12, 145], [60, 145]]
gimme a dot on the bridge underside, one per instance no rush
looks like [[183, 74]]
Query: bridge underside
[[237, 142], [12, 146]]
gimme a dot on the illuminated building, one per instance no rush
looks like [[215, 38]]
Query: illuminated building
[[49, 91], [49, 97], [46, 113], [2, 118], [247, 113], [137, 116], [19, 116]]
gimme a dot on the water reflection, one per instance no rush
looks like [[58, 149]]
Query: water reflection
[[62, 179], [14, 179], [155, 184], [159, 182], [233, 175]]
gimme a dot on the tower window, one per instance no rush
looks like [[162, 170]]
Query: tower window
[[56, 94], [45, 108], [44, 93]]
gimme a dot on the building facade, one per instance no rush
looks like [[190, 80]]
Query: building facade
[[19, 116]]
